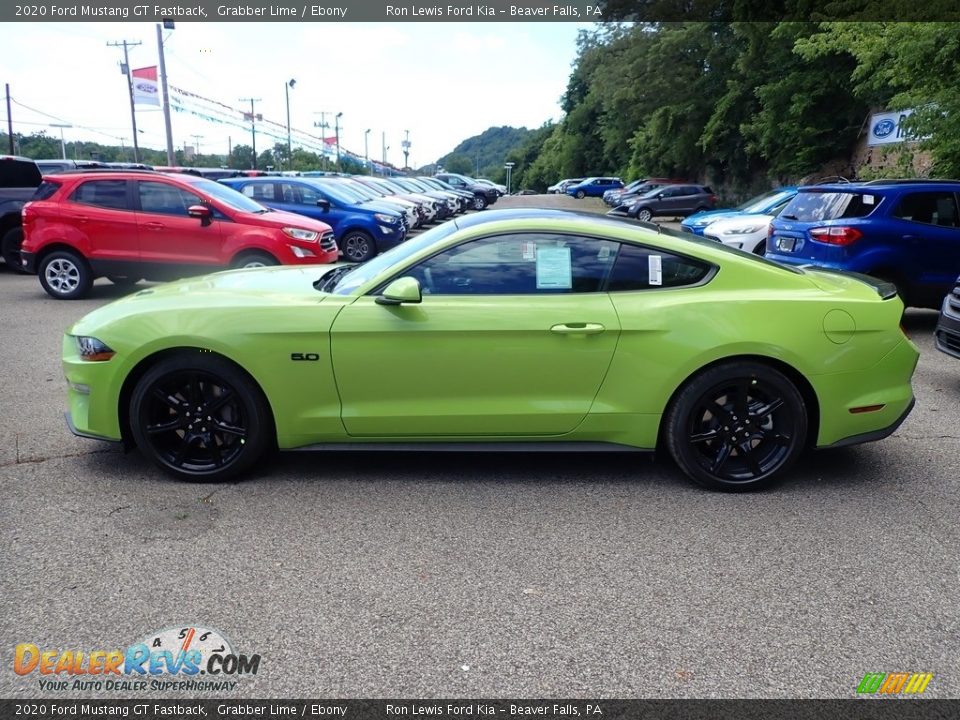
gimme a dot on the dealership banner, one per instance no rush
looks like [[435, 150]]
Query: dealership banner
[[887, 128], [145, 89]]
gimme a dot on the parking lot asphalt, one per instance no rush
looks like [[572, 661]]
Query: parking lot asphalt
[[468, 575]]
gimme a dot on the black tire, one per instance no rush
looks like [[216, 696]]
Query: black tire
[[358, 246], [644, 215], [737, 426], [10, 248], [123, 280], [254, 259], [200, 418], [65, 275], [581, 194], [479, 202]]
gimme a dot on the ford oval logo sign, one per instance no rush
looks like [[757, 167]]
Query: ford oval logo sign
[[884, 128], [144, 87]]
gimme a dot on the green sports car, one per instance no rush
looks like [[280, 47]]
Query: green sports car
[[509, 330]]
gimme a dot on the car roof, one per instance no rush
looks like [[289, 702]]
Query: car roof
[[872, 185]]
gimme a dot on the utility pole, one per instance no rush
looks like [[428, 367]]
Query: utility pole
[[406, 150], [366, 150], [9, 121], [166, 95], [286, 89], [229, 149], [383, 143], [252, 115], [323, 131], [196, 146], [125, 68]]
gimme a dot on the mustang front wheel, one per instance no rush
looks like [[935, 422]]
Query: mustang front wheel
[[199, 418], [737, 426]]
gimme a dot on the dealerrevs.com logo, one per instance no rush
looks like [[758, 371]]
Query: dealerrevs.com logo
[[187, 658]]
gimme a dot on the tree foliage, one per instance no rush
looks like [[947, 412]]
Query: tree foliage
[[747, 104]]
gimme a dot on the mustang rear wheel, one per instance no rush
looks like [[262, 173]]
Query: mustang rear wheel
[[737, 426], [199, 418]]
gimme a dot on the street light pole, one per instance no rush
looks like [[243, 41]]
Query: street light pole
[[337, 125], [253, 127], [366, 149], [286, 89], [63, 144], [163, 88]]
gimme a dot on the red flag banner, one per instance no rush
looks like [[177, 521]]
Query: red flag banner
[[145, 90]]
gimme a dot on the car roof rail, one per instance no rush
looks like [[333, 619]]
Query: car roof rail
[[908, 181], [833, 180], [101, 170]]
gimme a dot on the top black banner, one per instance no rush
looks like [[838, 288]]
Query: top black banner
[[489, 11]]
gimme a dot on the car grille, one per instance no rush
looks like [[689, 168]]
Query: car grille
[[949, 341], [954, 298], [328, 242]]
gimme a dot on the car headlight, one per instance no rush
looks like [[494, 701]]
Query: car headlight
[[742, 230], [703, 222], [93, 350], [386, 219], [299, 234]]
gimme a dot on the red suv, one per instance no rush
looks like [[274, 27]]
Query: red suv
[[129, 225]]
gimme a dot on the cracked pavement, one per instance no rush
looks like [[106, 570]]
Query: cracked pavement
[[482, 576]]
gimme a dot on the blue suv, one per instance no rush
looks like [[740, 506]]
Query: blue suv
[[362, 229], [594, 187], [903, 231]]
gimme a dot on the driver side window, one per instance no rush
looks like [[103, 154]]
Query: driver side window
[[521, 264]]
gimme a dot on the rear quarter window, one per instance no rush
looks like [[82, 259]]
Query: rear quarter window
[[821, 206], [47, 189], [643, 268]]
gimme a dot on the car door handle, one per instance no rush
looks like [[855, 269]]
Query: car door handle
[[154, 226], [578, 328]]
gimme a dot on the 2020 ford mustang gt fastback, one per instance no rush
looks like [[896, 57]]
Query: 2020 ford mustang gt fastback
[[510, 330]]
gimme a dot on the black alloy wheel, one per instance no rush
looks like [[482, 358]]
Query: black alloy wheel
[[737, 426], [199, 417]]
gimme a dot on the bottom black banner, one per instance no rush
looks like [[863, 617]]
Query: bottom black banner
[[876, 709]]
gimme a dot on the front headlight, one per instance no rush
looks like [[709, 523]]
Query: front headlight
[[93, 350], [300, 234], [386, 219], [703, 222], [742, 230]]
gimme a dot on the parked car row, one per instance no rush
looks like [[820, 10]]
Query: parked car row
[[129, 225]]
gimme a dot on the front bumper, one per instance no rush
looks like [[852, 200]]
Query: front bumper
[[947, 334]]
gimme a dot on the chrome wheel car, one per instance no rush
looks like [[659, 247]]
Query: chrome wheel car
[[65, 275], [199, 417], [479, 202], [358, 246], [644, 214], [737, 425]]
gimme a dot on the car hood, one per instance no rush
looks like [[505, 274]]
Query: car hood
[[281, 285], [732, 221], [708, 216]]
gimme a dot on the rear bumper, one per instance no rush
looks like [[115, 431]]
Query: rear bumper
[[874, 435], [947, 334]]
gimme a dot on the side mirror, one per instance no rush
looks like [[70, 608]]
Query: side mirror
[[201, 212], [400, 291], [323, 205]]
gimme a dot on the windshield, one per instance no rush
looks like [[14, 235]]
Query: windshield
[[334, 191], [406, 185], [757, 204], [345, 189], [228, 196], [359, 188], [371, 269], [817, 206]]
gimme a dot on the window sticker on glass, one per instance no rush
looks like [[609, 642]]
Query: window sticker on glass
[[528, 250], [554, 268], [603, 253], [654, 270]]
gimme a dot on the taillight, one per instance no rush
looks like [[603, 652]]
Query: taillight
[[836, 234], [713, 198]]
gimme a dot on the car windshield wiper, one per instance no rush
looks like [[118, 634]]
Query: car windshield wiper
[[329, 281]]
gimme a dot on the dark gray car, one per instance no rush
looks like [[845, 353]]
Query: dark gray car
[[669, 201]]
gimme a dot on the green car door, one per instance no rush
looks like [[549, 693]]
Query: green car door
[[512, 337]]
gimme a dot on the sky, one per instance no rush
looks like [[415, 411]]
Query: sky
[[444, 82]]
